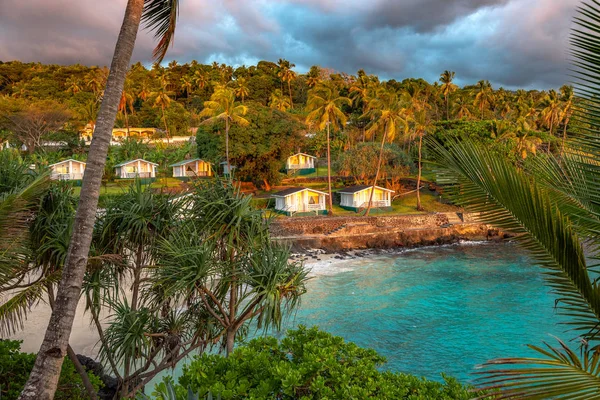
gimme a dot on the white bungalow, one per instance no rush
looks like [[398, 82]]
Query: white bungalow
[[136, 169], [301, 163], [67, 170], [226, 169], [192, 168], [300, 200], [357, 197]]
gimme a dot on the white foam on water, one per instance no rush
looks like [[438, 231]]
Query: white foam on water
[[329, 265]]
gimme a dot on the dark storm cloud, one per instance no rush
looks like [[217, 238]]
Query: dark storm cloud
[[510, 42], [423, 15]]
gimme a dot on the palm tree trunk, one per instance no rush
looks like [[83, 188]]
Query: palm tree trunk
[[227, 146], [447, 109], [290, 90], [126, 121], [46, 371], [162, 106], [85, 378], [419, 208], [330, 200], [564, 139], [376, 172]]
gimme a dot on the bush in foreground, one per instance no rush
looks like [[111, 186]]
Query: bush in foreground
[[307, 364], [15, 367]]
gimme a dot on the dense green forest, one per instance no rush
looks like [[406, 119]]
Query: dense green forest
[[174, 99]]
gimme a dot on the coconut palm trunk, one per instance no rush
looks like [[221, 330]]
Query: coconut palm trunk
[[420, 166], [227, 146], [165, 122], [290, 90], [377, 172], [447, 108], [126, 121], [85, 379], [44, 376], [330, 200]]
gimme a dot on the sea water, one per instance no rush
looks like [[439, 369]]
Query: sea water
[[433, 310], [439, 309]]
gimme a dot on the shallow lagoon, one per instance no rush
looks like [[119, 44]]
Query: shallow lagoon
[[438, 309]]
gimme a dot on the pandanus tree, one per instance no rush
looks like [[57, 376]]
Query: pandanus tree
[[325, 109], [553, 209], [160, 16], [389, 118], [222, 106], [222, 262]]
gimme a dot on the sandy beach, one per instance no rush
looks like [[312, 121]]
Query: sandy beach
[[84, 338]]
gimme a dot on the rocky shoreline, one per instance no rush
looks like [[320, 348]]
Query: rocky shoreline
[[343, 234]]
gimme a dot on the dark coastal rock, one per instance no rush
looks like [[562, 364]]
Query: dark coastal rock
[[111, 384]]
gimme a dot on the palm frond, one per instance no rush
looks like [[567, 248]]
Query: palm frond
[[160, 17], [13, 312], [507, 198], [562, 374]]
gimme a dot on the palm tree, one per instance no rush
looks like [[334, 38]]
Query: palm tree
[[551, 112], [186, 85], [325, 108], [388, 116], [484, 96], [448, 87], [279, 101], [422, 125], [200, 79], [241, 88], [160, 16], [566, 96], [361, 91], [287, 75], [73, 85], [144, 91], [553, 209], [462, 107], [162, 99], [126, 102], [222, 106]]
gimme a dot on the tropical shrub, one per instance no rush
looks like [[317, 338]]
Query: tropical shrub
[[306, 364], [15, 367]]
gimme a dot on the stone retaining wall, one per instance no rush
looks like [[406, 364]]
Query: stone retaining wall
[[285, 227]]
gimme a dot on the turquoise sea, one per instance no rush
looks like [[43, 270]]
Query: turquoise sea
[[437, 309], [434, 310]]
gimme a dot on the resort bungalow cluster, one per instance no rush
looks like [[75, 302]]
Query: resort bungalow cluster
[[306, 201], [292, 201]]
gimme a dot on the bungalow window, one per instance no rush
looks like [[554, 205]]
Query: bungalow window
[[313, 199], [131, 169], [62, 169]]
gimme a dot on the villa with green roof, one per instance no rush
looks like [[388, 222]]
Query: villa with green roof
[[300, 201], [354, 198], [136, 169], [192, 169]]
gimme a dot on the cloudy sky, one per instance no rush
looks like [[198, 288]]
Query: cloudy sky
[[513, 43]]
